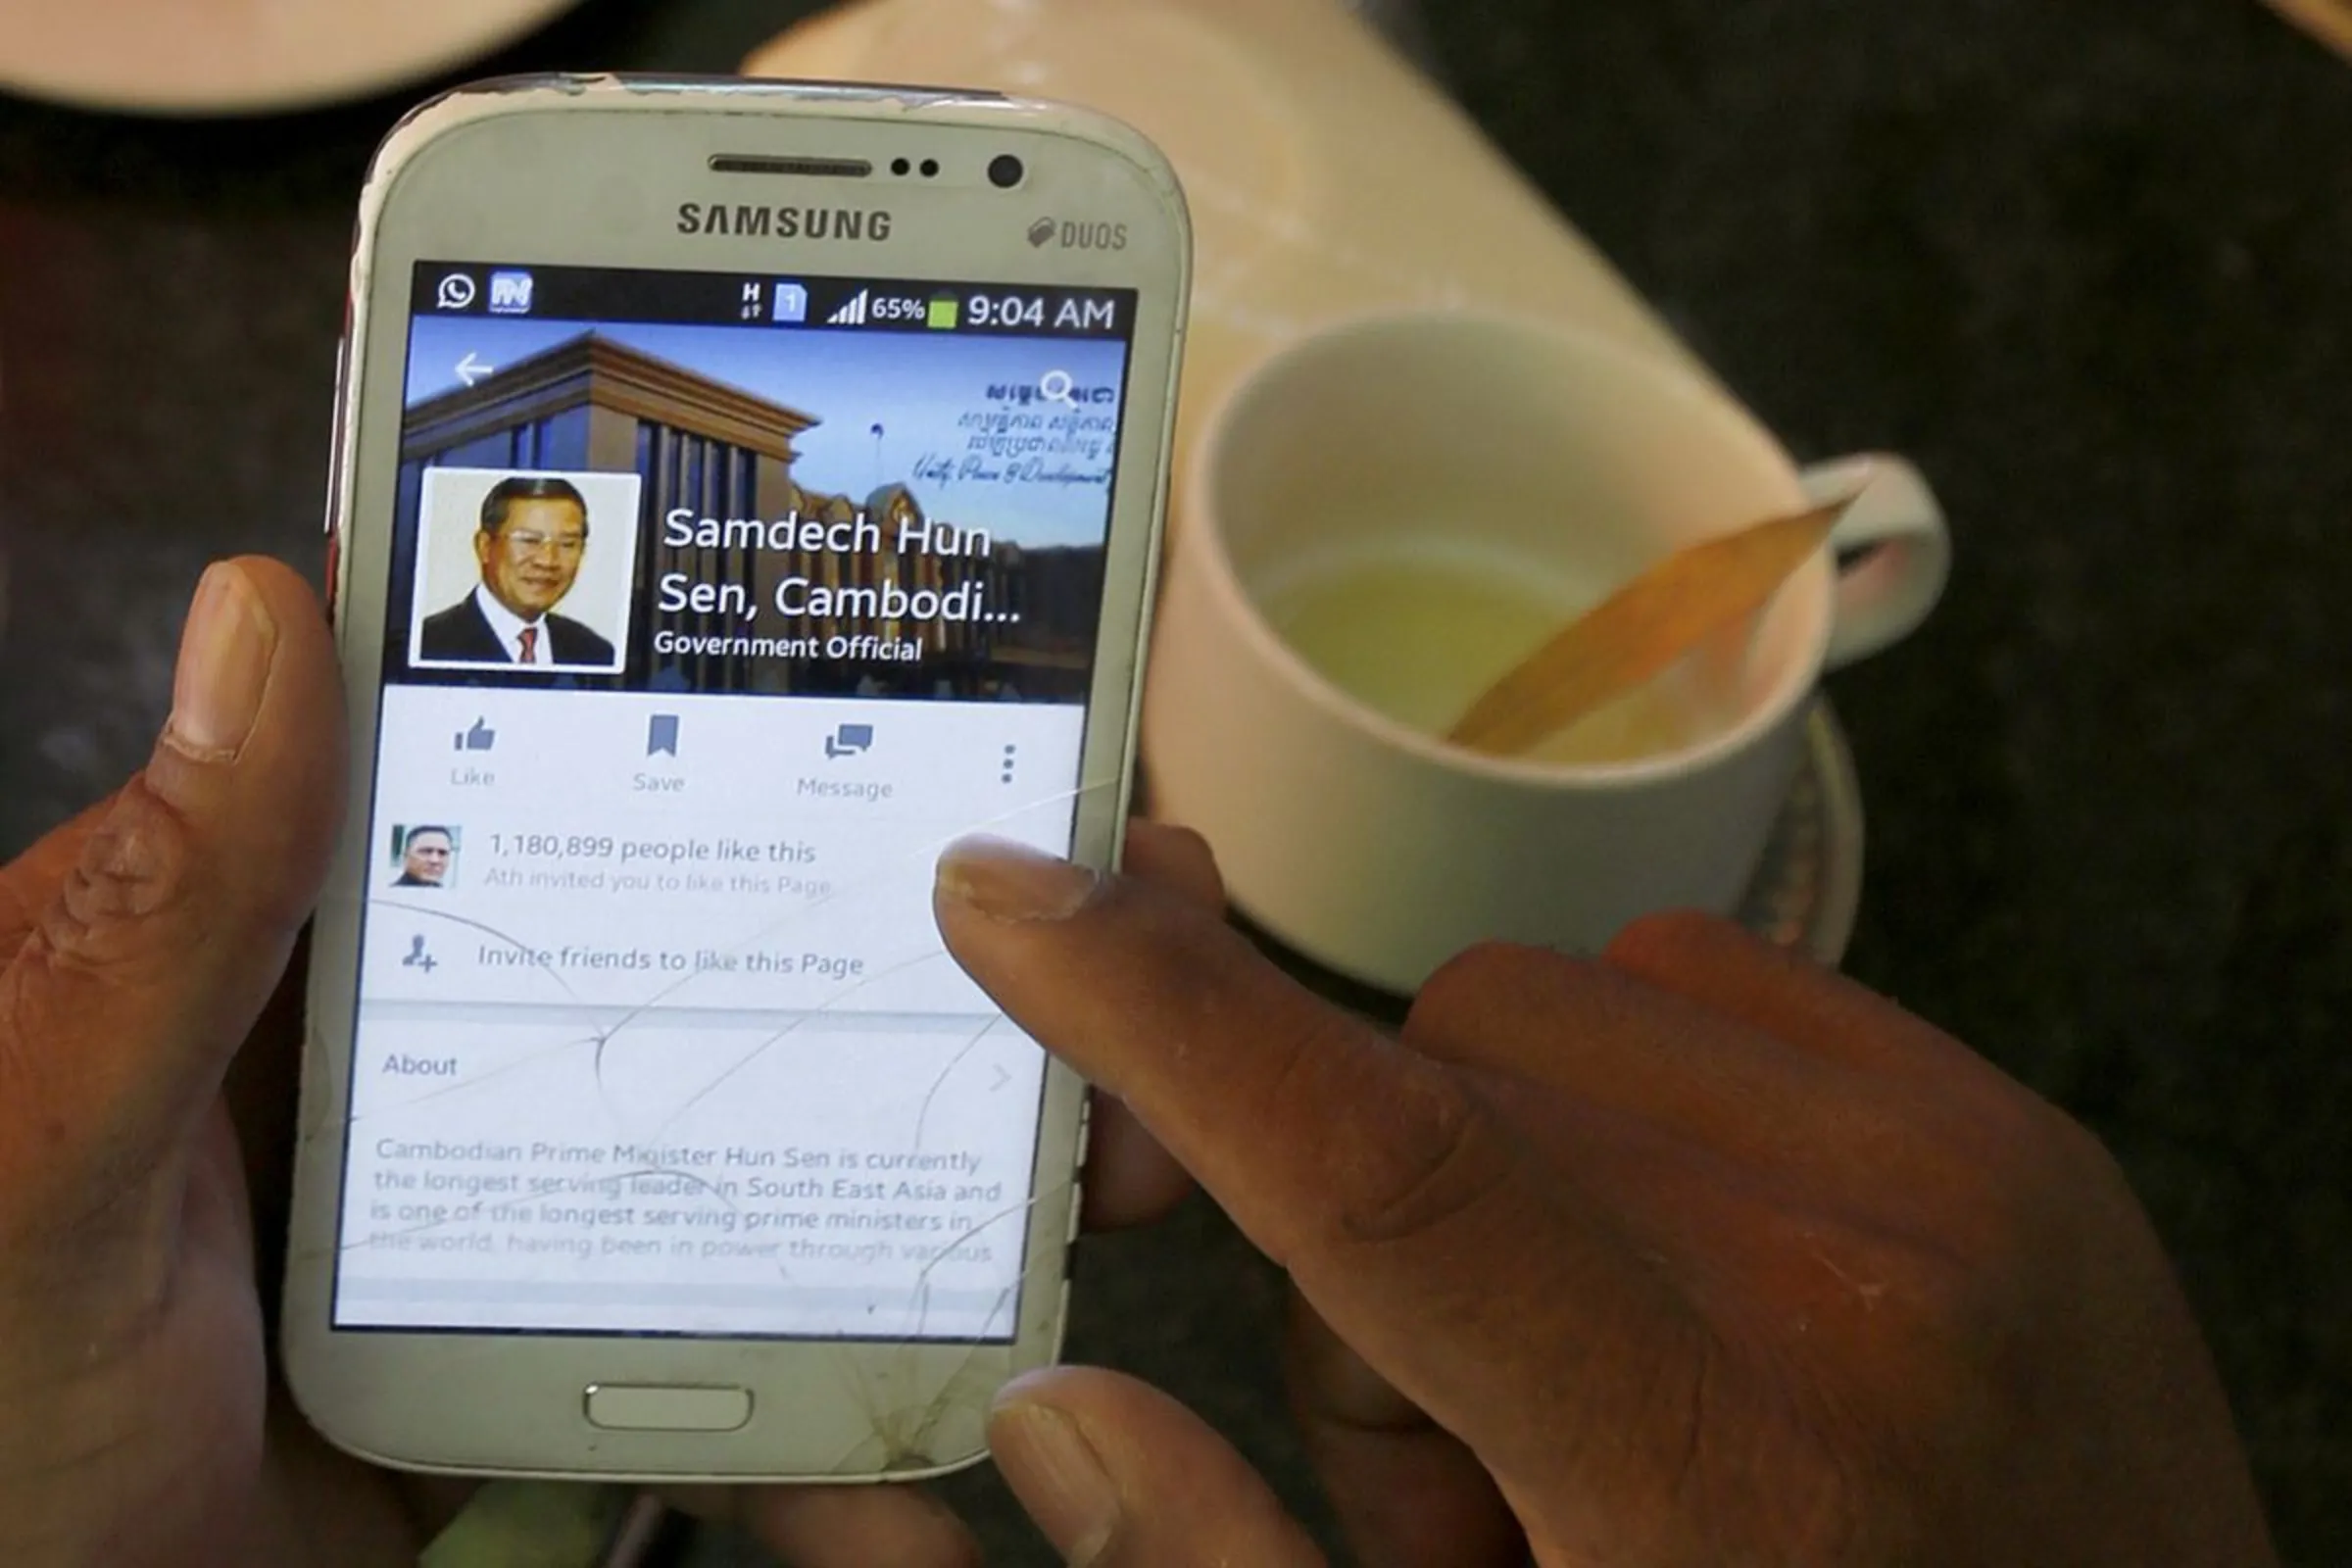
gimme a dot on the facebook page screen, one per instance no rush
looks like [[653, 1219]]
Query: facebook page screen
[[718, 607]]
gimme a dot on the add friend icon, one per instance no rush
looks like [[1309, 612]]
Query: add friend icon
[[419, 958]]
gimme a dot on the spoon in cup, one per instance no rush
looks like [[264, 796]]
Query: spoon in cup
[[1640, 631]]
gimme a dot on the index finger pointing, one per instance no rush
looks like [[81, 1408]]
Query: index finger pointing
[[1407, 1211], [1165, 1009]]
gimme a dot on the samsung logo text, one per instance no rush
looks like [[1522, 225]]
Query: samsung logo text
[[783, 223]]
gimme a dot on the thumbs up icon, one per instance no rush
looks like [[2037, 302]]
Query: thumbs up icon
[[480, 738]]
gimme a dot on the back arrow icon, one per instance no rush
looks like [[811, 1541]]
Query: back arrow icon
[[471, 370]]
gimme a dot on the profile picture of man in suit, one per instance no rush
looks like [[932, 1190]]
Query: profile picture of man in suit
[[531, 540], [427, 853]]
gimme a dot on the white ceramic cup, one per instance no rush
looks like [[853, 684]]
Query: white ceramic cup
[[1537, 454]]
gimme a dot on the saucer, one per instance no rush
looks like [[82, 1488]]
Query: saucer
[[231, 57], [1805, 895]]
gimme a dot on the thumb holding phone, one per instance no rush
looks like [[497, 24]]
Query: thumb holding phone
[[145, 935]]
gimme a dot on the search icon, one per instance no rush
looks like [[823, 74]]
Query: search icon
[[455, 292], [1055, 386]]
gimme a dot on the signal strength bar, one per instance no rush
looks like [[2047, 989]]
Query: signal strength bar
[[851, 313]]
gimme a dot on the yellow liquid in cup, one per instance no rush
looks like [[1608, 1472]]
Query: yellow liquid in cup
[[1417, 638]]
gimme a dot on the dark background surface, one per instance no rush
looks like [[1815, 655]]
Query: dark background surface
[[2088, 262]]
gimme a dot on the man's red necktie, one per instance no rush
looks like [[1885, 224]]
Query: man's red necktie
[[530, 642]]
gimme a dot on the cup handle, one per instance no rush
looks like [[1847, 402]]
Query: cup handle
[[1903, 554]]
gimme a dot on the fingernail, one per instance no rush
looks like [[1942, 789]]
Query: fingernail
[[1061, 1480], [224, 666], [1011, 881]]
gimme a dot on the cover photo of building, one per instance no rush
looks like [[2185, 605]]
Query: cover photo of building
[[721, 453]]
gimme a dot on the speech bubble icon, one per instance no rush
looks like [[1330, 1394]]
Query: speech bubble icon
[[662, 734], [849, 740]]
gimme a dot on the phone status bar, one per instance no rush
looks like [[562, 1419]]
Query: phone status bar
[[733, 299]]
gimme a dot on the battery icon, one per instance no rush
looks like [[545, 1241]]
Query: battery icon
[[943, 315]]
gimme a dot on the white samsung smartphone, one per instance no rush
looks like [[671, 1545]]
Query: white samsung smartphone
[[742, 490]]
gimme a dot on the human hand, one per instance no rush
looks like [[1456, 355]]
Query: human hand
[[145, 1127], [1695, 1253]]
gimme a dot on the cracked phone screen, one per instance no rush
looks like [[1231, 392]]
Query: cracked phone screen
[[717, 608]]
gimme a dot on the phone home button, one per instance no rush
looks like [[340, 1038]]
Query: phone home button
[[666, 1407]]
